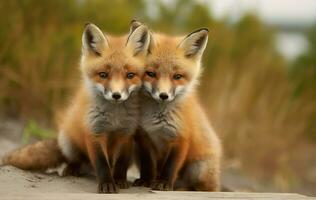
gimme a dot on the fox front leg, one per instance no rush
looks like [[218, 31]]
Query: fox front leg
[[106, 183], [146, 160], [170, 170], [122, 164]]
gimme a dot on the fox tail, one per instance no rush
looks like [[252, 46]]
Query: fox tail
[[38, 156]]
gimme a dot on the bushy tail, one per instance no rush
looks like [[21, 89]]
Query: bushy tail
[[38, 156]]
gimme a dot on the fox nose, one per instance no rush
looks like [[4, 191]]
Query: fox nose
[[116, 95], [163, 96]]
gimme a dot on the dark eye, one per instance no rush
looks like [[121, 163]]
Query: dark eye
[[177, 76], [103, 75], [130, 75], [151, 74]]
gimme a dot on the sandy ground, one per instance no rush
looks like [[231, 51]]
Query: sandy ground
[[24, 185], [16, 180]]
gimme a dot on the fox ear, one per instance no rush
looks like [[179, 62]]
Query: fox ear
[[194, 44], [138, 40], [93, 40], [133, 25]]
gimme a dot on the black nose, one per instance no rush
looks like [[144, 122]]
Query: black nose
[[116, 95], [163, 96]]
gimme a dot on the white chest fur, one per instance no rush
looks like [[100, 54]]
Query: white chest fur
[[106, 117], [159, 121]]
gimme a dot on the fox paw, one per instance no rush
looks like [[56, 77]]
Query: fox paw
[[140, 182], [122, 184], [107, 188], [162, 185]]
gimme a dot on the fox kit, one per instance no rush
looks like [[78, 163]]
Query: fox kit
[[104, 114], [178, 149]]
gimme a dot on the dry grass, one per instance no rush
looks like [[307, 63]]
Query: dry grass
[[260, 122]]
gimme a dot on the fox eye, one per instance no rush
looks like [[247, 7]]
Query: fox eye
[[151, 74], [103, 75], [130, 75], [177, 76]]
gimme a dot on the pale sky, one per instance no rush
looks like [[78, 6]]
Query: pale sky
[[271, 11]]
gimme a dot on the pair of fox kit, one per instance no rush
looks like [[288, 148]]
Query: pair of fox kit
[[137, 96]]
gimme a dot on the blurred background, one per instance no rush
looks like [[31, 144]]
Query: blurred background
[[259, 82]]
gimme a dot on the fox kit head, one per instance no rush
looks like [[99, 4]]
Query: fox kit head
[[173, 65], [112, 67]]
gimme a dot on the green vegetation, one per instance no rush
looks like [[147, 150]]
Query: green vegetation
[[263, 110], [32, 129]]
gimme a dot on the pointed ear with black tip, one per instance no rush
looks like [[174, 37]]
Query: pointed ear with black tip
[[194, 44], [94, 42], [133, 25], [138, 41]]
